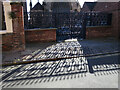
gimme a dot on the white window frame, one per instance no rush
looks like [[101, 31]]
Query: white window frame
[[9, 26]]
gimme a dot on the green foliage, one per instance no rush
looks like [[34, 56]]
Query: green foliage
[[12, 15]]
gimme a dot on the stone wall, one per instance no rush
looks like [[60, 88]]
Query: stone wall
[[40, 35]]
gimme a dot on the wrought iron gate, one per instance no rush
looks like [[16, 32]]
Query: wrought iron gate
[[70, 25]]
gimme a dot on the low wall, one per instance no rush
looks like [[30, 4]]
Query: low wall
[[99, 32], [12, 42], [7, 42], [40, 35]]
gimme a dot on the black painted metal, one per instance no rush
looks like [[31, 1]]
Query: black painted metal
[[70, 24], [98, 19]]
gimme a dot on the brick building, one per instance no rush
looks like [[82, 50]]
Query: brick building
[[100, 6]]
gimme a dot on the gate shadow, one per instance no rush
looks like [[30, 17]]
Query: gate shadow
[[104, 65], [63, 69], [48, 72]]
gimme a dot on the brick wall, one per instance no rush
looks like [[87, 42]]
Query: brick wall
[[111, 7], [98, 32], [102, 7], [106, 6], [15, 40], [40, 35]]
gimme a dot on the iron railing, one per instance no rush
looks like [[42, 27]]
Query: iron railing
[[39, 19]]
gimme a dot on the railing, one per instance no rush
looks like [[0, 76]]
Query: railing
[[38, 19], [99, 19], [70, 24]]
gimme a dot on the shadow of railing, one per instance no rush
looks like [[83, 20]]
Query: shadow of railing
[[48, 71], [62, 69], [104, 65]]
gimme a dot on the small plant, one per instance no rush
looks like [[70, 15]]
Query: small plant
[[12, 15]]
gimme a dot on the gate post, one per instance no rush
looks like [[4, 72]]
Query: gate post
[[18, 26], [14, 38]]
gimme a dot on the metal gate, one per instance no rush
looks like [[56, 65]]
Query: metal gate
[[73, 25], [70, 25]]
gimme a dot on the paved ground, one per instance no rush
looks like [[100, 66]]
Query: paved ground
[[62, 49], [77, 48], [30, 49], [94, 72], [82, 72]]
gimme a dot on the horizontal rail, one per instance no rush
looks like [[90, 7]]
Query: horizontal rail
[[55, 59]]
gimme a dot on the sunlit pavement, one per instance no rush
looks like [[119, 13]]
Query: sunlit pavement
[[73, 48], [82, 72], [76, 73]]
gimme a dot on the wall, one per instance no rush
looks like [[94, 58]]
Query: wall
[[40, 35], [101, 7], [16, 39], [110, 7], [105, 31], [98, 32]]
